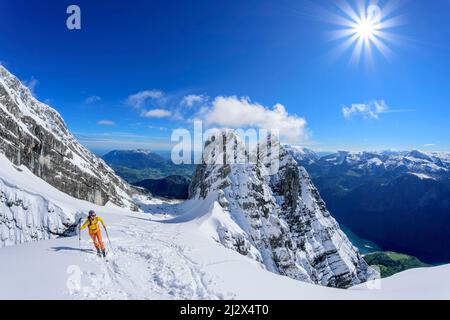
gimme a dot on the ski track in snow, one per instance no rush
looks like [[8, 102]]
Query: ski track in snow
[[143, 266]]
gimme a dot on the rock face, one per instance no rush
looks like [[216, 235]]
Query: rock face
[[35, 135], [282, 221]]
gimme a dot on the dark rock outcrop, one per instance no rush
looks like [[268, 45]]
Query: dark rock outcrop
[[35, 135]]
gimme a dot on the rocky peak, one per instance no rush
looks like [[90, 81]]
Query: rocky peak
[[35, 135], [279, 218]]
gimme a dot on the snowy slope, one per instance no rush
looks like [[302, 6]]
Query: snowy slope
[[172, 259]]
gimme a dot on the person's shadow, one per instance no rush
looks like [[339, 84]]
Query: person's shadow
[[57, 249]]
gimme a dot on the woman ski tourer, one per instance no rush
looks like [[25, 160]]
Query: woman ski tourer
[[94, 231]]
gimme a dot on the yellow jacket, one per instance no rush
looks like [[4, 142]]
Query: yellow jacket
[[93, 225]]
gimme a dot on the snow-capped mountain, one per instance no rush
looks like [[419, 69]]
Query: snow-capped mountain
[[277, 219], [413, 162], [301, 154], [397, 199], [35, 135]]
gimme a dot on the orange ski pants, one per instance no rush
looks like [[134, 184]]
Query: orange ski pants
[[98, 241]]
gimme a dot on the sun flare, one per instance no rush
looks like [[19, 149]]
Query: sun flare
[[363, 27]]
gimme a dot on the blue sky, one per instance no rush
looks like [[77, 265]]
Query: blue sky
[[122, 80]]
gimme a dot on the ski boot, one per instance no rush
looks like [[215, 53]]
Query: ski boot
[[99, 252], [104, 253]]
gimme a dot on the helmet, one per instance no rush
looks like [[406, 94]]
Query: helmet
[[91, 213]]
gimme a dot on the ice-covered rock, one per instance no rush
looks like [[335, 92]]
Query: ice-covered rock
[[26, 217]]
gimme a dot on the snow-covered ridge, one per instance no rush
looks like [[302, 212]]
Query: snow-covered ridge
[[301, 153], [276, 219], [412, 160], [28, 106], [415, 162], [35, 135]]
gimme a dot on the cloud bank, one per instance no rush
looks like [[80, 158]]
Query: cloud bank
[[223, 111], [234, 112]]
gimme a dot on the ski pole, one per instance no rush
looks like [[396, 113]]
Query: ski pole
[[107, 236], [79, 235], [79, 238]]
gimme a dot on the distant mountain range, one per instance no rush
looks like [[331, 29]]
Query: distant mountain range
[[399, 200], [138, 165], [152, 171]]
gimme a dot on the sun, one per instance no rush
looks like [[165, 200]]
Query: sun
[[364, 27]]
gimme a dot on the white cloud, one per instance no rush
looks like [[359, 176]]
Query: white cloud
[[370, 110], [156, 113], [92, 99], [140, 99], [192, 99], [234, 112], [106, 123]]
